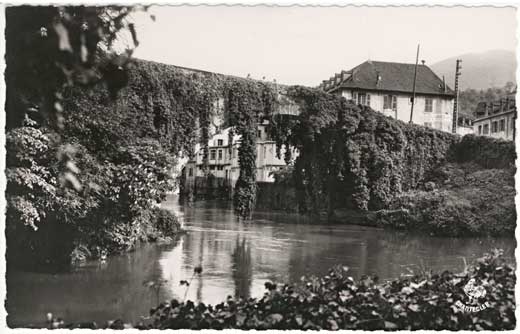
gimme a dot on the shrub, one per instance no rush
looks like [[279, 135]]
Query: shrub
[[469, 201], [165, 222], [337, 301], [484, 151]]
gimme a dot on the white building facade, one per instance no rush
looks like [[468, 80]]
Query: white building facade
[[388, 88], [496, 119], [224, 162]]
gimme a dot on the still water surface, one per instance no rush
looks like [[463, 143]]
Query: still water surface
[[237, 259]]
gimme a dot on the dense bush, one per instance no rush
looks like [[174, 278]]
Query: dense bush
[[112, 209], [457, 200], [337, 301], [485, 151]]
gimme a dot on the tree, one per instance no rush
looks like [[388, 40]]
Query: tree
[[50, 48]]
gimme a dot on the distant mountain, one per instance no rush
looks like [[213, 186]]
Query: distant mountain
[[479, 70]]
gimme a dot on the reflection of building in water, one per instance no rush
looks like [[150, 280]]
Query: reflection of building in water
[[242, 267]]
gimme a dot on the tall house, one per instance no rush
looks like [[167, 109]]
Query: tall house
[[224, 161], [388, 88]]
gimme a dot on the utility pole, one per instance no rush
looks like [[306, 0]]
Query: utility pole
[[456, 103], [414, 82]]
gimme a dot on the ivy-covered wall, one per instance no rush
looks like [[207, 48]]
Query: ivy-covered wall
[[176, 107], [353, 157]]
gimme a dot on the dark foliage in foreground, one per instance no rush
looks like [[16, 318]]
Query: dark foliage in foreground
[[337, 301]]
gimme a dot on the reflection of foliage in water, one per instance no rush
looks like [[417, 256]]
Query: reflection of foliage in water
[[242, 268]]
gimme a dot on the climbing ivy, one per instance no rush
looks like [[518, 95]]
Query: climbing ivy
[[177, 107], [350, 156]]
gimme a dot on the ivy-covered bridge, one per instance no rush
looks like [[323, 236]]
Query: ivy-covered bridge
[[349, 155]]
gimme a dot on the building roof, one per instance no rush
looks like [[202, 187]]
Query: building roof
[[486, 109], [466, 115], [391, 77]]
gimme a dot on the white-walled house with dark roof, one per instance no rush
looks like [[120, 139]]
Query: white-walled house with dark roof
[[388, 88]]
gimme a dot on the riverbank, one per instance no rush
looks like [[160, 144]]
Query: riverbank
[[337, 301], [457, 200]]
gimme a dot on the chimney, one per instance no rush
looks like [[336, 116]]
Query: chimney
[[337, 78], [423, 62], [344, 75]]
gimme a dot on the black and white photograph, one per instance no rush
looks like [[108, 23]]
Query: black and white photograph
[[258, 166]]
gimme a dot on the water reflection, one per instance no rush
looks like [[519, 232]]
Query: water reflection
[[242, 268], [237, 259]]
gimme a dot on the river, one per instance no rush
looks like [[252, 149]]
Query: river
[[237, 258]]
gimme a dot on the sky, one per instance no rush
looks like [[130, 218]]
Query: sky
[[297, 45]]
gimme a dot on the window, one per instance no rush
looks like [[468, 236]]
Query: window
[[220, 154], [486, 129], [428, 105], [259, 134], [480, 129], [390, 102], [428, 124], [502, 125], [354, 97], [494, 126], [387, 102], [212, 154], [190, 172], [220, 142], [212, 168], [220, 167], [234, 153], [363, 99]]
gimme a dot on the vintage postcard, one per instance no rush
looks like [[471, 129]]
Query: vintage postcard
[[240, 167]]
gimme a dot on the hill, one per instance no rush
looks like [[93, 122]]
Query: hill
[[480, 70]]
